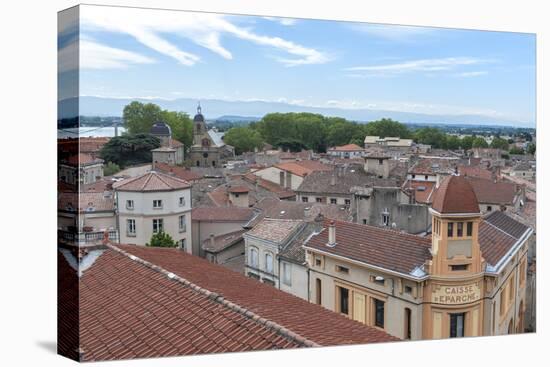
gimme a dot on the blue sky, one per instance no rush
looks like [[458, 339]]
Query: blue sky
[[166, 54]]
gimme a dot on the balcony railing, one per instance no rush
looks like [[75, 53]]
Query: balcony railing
[[86, 238]]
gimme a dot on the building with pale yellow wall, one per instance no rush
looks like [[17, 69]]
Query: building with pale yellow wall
[[467, 279]]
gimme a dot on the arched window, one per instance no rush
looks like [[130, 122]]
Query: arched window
[[268, 262], [253, 260]]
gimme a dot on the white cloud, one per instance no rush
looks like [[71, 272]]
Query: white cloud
[[97, 56], [422, 65], [470, 74], [282, 20], [390, 32], [150, 28], [89, 54]]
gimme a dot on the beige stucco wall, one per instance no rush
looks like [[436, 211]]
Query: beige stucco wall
[[272, 174], [298, 279], [359, 278]]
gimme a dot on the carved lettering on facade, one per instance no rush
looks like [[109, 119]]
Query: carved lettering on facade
[[456, 294]]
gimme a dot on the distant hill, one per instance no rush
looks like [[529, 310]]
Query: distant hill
[[238, 118], [214, 109]]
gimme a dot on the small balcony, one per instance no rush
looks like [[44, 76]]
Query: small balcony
[[86, 238]]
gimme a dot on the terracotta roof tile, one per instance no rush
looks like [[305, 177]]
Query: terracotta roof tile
[[222, 214], [346, 148], [275, 230], [303, 168], [475, 171], [491, 192], [306, 319], [179, 172], [375, 246], [455, 195], [151, 181], [222, 241], [130, 310]]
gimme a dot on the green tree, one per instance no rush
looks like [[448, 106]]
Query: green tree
[[128, 149], [431, 136], [516, 150], [388, 127], [452, 142], [532, 148], [181, 125], [467, 142], [499, 143], [110, 169], [161, 239], [138, 117], [244, 139], [479, 142]]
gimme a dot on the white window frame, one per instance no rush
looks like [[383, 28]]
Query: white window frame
[[182, 223], [130, 204], [287, 274], [253, 257], [159, 206], [182, 201], [268, 264], [131, 227], [159, 225]]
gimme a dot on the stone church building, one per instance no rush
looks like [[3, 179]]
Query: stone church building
[[208, 149]]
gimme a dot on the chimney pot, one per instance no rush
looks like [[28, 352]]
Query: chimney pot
[[212, 239], [331, 234]]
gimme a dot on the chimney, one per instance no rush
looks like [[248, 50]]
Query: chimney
[[332, 180], [306, 212], [212, 242], [331, 234]]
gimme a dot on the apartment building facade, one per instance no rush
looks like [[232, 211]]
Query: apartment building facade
[[468, 279]]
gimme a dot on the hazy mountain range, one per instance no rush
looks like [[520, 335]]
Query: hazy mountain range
[[254, 110]]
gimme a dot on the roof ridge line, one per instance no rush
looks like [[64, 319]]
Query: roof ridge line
[[506, 233], [150, 176], [216, 297]]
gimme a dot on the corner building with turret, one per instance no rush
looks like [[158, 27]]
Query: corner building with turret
[[467, 279]]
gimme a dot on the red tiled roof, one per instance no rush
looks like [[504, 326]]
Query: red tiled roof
[[222, 214], [346, 148], [179, 172], [308, 320], [128, 309], [281, 192], [238, 189], [82, 159], [223, 241], [423, 190], [455, 195], [303, 168], [85, 201], [275, 230], [152, 181], [380, 247], [475, 171], [488, 191]]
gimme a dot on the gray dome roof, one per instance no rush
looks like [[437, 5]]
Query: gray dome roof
[[161, 129], [198, 118]]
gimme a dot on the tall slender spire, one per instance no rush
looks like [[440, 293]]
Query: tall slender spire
[[199, 108]]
